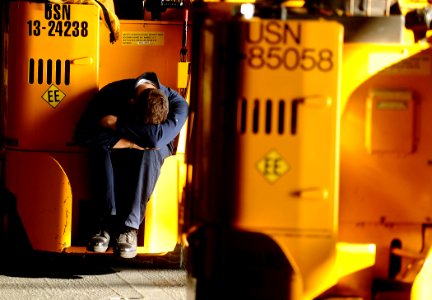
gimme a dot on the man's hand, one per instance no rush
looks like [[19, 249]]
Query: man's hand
[[108, 121], [125, 143]]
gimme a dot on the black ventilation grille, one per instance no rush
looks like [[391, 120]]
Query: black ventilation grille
[[49, 71], [273, 109]]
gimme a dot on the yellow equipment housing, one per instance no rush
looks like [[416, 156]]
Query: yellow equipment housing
[[59, 56], [305, 160], [264, 182]]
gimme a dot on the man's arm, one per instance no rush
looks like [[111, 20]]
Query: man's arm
[[125, 143], [88, 131], [110, 121], [157, 136]]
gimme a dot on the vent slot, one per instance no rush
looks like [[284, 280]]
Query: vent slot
[[243, 116], [281, 117], [49, 71], [268, 118], [67, 72], [269, 106], [41, 71], [31, 71], [255, 122], [58, 71]]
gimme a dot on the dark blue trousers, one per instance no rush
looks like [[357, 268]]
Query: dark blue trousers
[[126, 179]]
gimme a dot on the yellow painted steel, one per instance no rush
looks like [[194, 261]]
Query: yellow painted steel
[[288, 181], [362, 61], [381, 146], [421, 288], [44, 198], [390, 121], [153, 46], [107, 13], [183, 75], [311, 150], [354, 257], [161, 219], [52, 68], [58, 59], [142, 46], [163, 215]]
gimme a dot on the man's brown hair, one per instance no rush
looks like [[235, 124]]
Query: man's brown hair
[[152, 105]]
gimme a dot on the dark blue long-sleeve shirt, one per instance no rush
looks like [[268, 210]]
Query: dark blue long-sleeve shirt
[[114, 99]]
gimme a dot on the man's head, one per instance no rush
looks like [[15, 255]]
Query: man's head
[[143, 84], [151, 104]]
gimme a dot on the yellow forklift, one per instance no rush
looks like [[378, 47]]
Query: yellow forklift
[[308, 167], [304, 169], [57, 55]]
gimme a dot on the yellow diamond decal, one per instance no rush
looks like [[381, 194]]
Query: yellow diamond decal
[[53, 96], [273, 166]]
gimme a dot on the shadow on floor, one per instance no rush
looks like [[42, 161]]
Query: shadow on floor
[[18, 259], [37, 265], [74, 266]]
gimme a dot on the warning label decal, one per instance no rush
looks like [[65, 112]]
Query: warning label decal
[[53, 96], [272, 166], [147, 38]]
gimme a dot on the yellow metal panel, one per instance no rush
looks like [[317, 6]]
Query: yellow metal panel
[[363, 61], [52, 70], [152, 46], [148, 46], [161, 218], [183, 75], [375, 187], [305, 71], [288, 139], [44, 198], [390, 121], [380, 191], [354, 257], [422, 289]]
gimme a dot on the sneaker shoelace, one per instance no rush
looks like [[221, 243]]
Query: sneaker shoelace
[[127, 237]]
